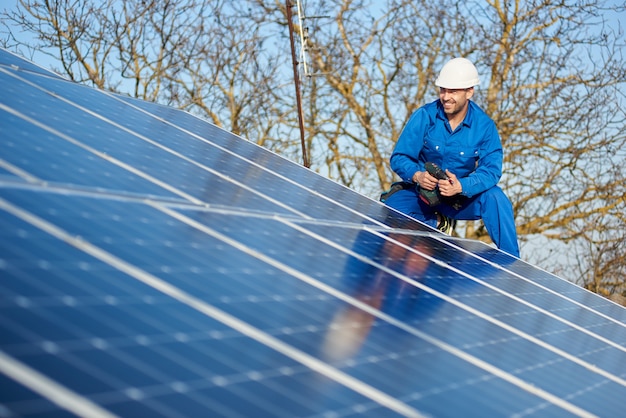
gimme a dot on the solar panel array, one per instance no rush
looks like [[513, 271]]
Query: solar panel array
[[153, 264]]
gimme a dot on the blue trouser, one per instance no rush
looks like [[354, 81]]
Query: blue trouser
[[492, 206]]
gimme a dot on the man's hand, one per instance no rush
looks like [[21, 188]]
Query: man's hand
[[425, 180], [451, 186]]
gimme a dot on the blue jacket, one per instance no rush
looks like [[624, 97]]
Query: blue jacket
[[473, 152]]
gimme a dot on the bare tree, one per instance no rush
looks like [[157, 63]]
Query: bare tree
[[556, 91], [552, 72], [206, 56]]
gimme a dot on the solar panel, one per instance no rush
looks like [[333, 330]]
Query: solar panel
[[153, 264]]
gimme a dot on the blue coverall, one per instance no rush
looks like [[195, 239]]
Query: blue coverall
[[472, 152]]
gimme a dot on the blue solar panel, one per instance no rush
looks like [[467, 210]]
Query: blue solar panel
[[152, 264], [19, 64]]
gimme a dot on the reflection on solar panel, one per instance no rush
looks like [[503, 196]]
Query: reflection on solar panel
[[152, 264]]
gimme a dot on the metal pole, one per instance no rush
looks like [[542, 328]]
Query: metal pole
[[296, 79]]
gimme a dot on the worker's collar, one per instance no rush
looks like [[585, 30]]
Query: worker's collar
[[467, 120]]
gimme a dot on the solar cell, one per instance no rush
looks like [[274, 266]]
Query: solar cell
[[153, 264]]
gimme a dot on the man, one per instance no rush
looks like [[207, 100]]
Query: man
[[458, 136]]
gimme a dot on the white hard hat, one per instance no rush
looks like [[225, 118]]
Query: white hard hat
[[458, 73]]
